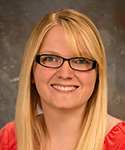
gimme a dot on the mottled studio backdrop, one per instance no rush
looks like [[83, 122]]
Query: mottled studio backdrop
[[18, 18]]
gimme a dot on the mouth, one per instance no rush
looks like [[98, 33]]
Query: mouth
[[64, 88]]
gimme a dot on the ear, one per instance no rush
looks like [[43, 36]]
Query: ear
[[32, 78]]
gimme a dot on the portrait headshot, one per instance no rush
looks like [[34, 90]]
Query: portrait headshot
[[62, 76]]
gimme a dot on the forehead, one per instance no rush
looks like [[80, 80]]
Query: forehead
[[53, 37], [59, 40]]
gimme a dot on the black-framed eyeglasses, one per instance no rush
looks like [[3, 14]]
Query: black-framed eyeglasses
[[75, 63]]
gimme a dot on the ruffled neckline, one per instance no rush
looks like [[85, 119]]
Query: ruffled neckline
[[122, 123], [115, 138]]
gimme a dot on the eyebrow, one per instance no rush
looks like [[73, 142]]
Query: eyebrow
[[49, 52], [56, 53]]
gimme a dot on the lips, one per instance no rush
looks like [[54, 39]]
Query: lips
[[64, 88]]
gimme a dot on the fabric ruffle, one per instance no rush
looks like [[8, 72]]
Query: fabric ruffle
[[115, 139]]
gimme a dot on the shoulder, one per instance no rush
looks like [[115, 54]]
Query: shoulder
[[8, 137], [111, 122], [115, 137]]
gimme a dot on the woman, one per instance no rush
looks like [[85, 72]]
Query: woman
[[64, 75]]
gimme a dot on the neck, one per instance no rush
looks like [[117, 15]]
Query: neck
[[63, 125]]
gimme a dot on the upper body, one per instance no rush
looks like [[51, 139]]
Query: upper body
[[114, 139]]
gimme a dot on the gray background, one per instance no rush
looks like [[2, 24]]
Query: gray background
[[18, 18]]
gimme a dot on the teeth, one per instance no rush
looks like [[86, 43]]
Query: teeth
[[64, 88]]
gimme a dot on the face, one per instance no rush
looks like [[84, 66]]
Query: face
[[62, 88]]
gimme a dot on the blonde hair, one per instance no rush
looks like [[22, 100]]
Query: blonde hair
[[81, 33]]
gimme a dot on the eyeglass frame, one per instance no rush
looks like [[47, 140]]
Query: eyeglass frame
[[37, 60]]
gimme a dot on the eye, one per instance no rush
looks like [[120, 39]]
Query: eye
[[49, 59], [81, 61]]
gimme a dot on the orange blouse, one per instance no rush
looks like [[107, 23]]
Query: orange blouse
[[114, 140]]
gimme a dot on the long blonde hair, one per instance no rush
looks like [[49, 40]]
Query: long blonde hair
[[81, 33]]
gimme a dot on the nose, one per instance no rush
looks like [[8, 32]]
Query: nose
[[65, 71]]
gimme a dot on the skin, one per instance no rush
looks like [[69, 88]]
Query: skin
[[63, 110]]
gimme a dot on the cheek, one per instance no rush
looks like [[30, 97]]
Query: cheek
[[88, 79], [42, 76], [40, 79]]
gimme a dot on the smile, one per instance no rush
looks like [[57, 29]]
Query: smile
[[65, 88]]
